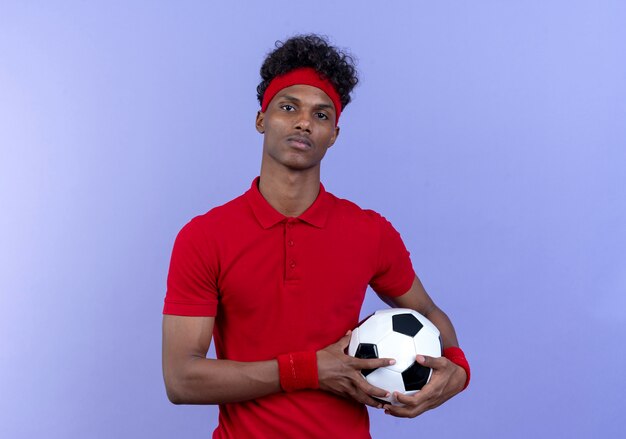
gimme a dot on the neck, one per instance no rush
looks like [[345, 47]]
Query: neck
[[290, 193]]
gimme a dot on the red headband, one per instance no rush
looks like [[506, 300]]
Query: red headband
[[306, 76]]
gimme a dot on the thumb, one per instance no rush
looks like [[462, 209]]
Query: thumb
[[432, 362], [345, 340], [423, 360]]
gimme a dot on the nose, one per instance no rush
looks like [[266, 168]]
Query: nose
[[303, 122]]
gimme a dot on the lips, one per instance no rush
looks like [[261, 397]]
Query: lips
[[299, 142]]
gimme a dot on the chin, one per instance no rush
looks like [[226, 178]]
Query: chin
[[298, 164], [296, 167]]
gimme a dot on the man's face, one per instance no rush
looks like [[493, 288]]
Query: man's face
[[298, 127]]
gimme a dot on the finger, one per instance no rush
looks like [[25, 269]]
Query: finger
[[397, 411], [422, 400], [403, 411], [432, 362], [415, 406], [365, 398], [372, 363], [368, 400], [372, 390], [411, 400]]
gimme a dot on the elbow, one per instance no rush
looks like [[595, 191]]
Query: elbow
[[186, 390], [174, 396], [174, 390], [188, 385]]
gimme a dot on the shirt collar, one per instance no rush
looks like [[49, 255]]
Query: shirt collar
[[316, 214]]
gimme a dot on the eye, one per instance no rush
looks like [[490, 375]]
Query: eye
[[321, 116], [287, 107]]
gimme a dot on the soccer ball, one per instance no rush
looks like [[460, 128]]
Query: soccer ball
[[400, 334]]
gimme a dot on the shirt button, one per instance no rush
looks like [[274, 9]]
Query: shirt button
[[292, 264], [290, 243]]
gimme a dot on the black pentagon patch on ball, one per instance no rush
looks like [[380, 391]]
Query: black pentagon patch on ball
[[366, 351], [415, 377], [406, 324]]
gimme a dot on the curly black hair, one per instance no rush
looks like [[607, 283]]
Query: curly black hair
[[310, 50]]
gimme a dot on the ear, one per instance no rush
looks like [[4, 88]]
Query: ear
[[259, 124], [334, 138]]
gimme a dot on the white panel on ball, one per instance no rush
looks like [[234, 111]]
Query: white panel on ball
[[427, 344], [400, 347], [354, 342], [374, 329], [388, 380]]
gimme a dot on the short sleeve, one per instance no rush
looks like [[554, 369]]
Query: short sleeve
[[394, 273], [192, 277]]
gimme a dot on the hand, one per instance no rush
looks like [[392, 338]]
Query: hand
[[340, 373], [446, 381]]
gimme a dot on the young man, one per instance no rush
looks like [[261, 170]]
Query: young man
[[278, 277]]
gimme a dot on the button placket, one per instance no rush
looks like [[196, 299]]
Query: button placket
[[291, 260]]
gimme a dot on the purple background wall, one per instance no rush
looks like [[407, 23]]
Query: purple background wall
[[492, 134]]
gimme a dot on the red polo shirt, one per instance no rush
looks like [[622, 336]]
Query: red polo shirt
[[277, 285]]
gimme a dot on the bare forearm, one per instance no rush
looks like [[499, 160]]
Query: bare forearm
[[443, 323], [209, 381], [418, 299]]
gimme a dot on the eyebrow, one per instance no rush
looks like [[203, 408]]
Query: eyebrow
[[318, 106]]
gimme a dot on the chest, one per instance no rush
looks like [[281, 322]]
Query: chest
[[296, 277]]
